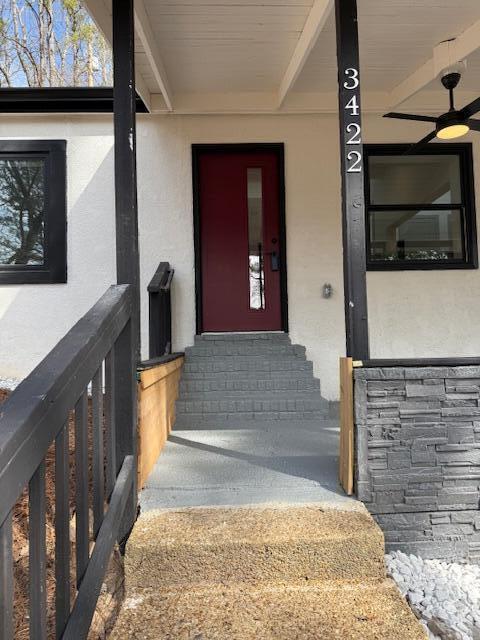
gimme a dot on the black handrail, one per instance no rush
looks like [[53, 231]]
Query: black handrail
[[160, 311], [37, 415]]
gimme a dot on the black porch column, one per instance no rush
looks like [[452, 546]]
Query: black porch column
[[127, 349], [125, 143], [353, 203]]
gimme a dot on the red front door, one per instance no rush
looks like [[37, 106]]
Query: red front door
[[240, 241]]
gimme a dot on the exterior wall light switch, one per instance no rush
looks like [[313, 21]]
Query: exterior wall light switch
[[327, 290]]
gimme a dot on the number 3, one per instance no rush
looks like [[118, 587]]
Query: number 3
[[352, 74]]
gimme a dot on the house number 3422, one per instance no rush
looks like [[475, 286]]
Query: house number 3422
[[353, 131]]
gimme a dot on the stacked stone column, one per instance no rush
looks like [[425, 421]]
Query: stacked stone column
[[418, 457]]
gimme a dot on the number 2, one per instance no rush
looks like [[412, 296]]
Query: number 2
[[352, 74], [356, 164], [355, 139]]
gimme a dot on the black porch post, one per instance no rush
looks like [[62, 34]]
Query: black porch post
[[353, 204], [128, 346]]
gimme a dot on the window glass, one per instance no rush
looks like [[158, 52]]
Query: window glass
[[255, 239], [33, 212], [414, 179], [22, 204], [420, 208], [416, 235]]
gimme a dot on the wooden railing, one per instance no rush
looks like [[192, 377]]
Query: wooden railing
[[160, 311], [97, 351]]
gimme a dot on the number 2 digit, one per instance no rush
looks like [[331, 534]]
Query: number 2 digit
[[356, 163], [355, 139]]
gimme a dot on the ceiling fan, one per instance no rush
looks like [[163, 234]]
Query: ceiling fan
[[450, 125]]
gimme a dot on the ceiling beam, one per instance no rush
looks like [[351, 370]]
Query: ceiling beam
[[143, 91], [145, 34], [413, 84], [444, 54], [314, 24], [103, 19]]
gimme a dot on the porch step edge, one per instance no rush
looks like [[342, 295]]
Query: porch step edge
[[181, 547], [362, 610]]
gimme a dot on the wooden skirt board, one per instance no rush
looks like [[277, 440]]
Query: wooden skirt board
[[157, 394], [346, 425]]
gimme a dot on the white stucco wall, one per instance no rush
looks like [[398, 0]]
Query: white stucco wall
[[34, 317], [422, 313], [314, 249], [411, 314]]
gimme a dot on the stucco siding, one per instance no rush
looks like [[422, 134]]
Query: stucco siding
[[411, 313], [34, 317]]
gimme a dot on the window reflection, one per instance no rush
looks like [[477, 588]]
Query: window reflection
[[415, 209], [422, 179], [21, 211], [416, 235]]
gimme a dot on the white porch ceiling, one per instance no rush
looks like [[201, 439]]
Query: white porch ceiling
[[225, 45], [247, 55]]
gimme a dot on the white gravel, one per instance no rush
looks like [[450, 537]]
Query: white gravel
[[444, 596], [9, 383]]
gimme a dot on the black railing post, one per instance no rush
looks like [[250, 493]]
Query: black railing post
[[6, 578], [353, 202], [127, 349], [154, 321], [168, 321], [160, 311]]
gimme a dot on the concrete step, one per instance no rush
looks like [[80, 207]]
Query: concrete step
[[280, 374], [264, 347], [254, 394], [229, 420], [253, 338], [249, 363], [367, 610], [276, 403], [283, 425], [193, 547], [247, 384]]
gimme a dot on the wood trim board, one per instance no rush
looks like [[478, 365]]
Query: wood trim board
[[157, 394], [346, 462]]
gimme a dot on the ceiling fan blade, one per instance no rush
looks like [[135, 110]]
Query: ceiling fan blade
[[409, 116], [471, 109], [417, 146], [474, 124]]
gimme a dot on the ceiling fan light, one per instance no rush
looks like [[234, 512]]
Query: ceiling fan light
[[453, 131]]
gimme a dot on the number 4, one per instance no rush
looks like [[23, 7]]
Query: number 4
[[353, 105]]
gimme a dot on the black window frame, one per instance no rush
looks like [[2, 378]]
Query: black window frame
[[467, 207], [54, 269]]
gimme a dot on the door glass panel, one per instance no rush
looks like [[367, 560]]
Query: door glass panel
[[256, 265], [22, 195]]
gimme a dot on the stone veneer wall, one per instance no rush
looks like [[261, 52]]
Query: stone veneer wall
[[417, 445]]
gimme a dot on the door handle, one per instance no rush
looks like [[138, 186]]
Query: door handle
[[274, 261]]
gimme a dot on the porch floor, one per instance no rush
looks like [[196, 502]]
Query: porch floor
[[249, 462]]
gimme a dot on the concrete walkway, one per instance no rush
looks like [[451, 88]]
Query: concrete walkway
[[305, 572], [247, 463]]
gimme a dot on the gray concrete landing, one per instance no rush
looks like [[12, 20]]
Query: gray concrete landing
[[249, 462]]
